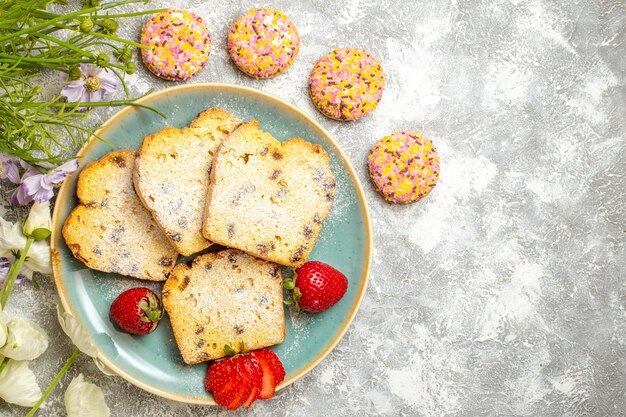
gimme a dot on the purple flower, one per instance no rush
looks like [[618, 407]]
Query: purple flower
[[93, 84], [18, 196], [9, 169], [40, 187]]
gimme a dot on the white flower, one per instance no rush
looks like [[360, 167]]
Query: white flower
[[38, 223], [11, 238], [3, 327], [77, 332], [18, 384], [12, 241], [84, 399], [25, 340]]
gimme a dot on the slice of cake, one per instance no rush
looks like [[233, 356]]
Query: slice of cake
[[268, 198], [110, 230], [171, 176], [224, 298]]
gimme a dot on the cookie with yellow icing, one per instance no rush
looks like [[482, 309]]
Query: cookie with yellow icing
[[404, 167], [263, 43], [178, 44], [346, 84]]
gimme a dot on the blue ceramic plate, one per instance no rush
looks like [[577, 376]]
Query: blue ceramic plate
[[153, 362]]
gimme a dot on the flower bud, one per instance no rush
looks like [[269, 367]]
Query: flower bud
[[102, 60], [109, 26], [74, 74], [124, 55], [130, 68], [86, 25], [38, 223]]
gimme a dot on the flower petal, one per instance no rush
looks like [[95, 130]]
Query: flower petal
[[18, 384], [18, 196], [84, 399], [103, 368], [11, 238], [3, 328], [77, 332], [88, 70], [39, 257], [38, 218], [25, 341], [10, 171], [108, 81], [90, 97], [73, 91], [32, 183], [63, 171]]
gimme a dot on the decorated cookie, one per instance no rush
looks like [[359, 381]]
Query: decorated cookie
[[346, 84], [178, 43], [263, 43], [404, 167]]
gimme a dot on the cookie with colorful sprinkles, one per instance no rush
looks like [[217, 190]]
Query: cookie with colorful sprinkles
[[346, 84], [178, 44], [263, 43], [404, 167]]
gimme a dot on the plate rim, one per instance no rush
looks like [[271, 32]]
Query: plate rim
[[368, 241]]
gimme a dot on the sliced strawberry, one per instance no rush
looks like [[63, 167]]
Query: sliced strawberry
[[227, 394], [224, 379], [277, 366], [244, 368], [218, 375], [273, 372], [256, 381]]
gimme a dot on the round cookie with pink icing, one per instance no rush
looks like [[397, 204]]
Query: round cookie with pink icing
[[263, 43], [404, 167], [178, 44], [346, 84]]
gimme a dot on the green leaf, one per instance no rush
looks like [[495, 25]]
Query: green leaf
[[229, 351]]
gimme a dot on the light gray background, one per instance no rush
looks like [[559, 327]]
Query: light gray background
[[502, 292]]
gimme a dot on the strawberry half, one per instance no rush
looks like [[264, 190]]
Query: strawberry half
[[137, 311], [273, 372]]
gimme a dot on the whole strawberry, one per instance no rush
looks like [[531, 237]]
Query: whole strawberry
[[317, 286], [137, 311]]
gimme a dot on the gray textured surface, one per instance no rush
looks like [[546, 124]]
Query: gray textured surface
[[501, 293]]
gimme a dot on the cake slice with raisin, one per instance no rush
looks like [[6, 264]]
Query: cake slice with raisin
[[110, 230], [268, 198], [172, 175], [224, 298]]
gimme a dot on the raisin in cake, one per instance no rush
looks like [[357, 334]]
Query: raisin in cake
[[225, 297], [110, 230], [268, 198], [171, 176]]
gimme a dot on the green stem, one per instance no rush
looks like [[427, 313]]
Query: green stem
[[50, 22], [54, 382], [79, 51], [7, 287], [4, 363], [113, 103], [106, 36], [145, 12]]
